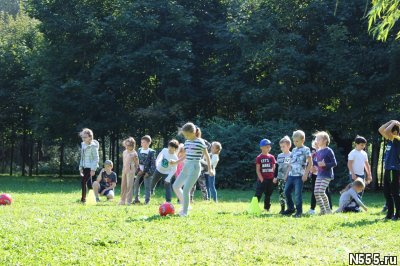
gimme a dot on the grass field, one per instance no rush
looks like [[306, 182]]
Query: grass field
[[46, 226]]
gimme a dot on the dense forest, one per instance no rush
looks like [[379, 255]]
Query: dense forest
[[242, 70]]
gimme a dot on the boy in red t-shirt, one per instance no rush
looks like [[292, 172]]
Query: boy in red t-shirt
[[265, 169]]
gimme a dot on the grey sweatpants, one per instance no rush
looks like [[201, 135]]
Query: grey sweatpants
[[188, 177], [147, 187]]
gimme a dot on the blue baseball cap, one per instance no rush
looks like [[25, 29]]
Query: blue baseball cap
[[265, 142]]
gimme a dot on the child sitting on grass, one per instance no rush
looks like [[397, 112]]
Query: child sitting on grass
[[349, 200], [106, 182]]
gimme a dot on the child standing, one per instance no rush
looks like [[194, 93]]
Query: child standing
[[300, 165], [130, 164], [265, 169], [326, 161], [314, 173], [147, 166], [194, 149], [283, 162], [106, 182], [390, 131], [165, 170], [358, 161], [216, 148], [89, 160], [349, 200]]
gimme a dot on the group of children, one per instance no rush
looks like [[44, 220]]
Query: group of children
[[293, 168], [179, 166], [191, 162]]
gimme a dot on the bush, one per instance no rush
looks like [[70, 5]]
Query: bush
[[240, 147]]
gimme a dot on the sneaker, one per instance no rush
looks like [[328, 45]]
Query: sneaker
[[311, 212], [266, 210], [190, 207], [97, 200], [297, 215], [282, 211], [288, 212], [384, 209], [136, 201], [388, 217], [396, 217], [122, 203], [182, 214], [146, 203]]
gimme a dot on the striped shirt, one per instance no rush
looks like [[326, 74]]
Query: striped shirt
[[194, 149]]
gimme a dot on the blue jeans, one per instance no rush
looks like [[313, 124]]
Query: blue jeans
[[294, 183], [211, 190]]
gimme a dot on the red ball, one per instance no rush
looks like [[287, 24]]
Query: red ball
[[5, 199], [166, 208]]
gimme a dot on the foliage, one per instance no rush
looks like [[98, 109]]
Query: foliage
[[382, 18]]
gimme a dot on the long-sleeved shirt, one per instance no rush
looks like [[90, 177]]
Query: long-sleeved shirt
[[326, 155], [163, 166], [347, 197], [147, 160], [89, 155]]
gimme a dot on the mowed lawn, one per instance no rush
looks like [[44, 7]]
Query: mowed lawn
[[46, 226]]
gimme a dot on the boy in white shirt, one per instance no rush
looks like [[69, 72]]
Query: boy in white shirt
[[358, 161], [164, 170]]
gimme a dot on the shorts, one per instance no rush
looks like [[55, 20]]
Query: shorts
[[108, 192]]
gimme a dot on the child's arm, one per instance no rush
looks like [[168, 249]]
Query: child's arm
[[95, 163], [136, 161], [159, 157], [386, 129], [258, 172], [354, 195], [180, 159], [171, 173], [113, 185], [274, 168], [207, 156], [368, 171], [98, 179], [350, 166], [309, 166]]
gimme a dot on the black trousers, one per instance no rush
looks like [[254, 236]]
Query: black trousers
[[266, 187], [391, 192]]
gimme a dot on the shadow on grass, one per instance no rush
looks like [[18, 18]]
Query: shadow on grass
[[362, 222], [155, 217]]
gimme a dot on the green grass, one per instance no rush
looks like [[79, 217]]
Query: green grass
[[45, 226]]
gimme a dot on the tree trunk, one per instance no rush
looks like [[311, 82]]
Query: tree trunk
[[38, 148], [31, 144], [23, 153], [376, 147], [110, 148], [117, 155], [103, 147], [113, 148], [60, 173], [12, 156]]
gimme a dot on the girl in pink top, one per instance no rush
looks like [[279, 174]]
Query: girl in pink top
[[130, 164], [180, 164]]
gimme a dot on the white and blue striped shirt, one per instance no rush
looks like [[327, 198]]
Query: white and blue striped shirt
[[194, 149]]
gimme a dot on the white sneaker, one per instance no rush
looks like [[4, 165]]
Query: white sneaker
[[182, 214], [312, 212], [190, 207]]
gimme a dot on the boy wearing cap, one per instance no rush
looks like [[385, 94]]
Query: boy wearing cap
[[265, 169], [300, 166], [106, 182]]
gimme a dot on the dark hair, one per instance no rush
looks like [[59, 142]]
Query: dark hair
[[360, 139], [173, 143], [395, 128], [147, 138]]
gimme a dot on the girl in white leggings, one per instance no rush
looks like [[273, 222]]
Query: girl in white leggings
[[194, 149]]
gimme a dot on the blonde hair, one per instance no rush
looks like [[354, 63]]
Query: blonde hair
[[324, 135], [189, 127], [359, 182], [108, 162], [217, 145], [286, 140], [86, 131], [129, 142], [299, 134]]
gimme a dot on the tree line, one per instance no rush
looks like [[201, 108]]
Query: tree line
[[242, 70]]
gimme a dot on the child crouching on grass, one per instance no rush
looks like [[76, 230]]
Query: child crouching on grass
[[349, 200], [106, 182]]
